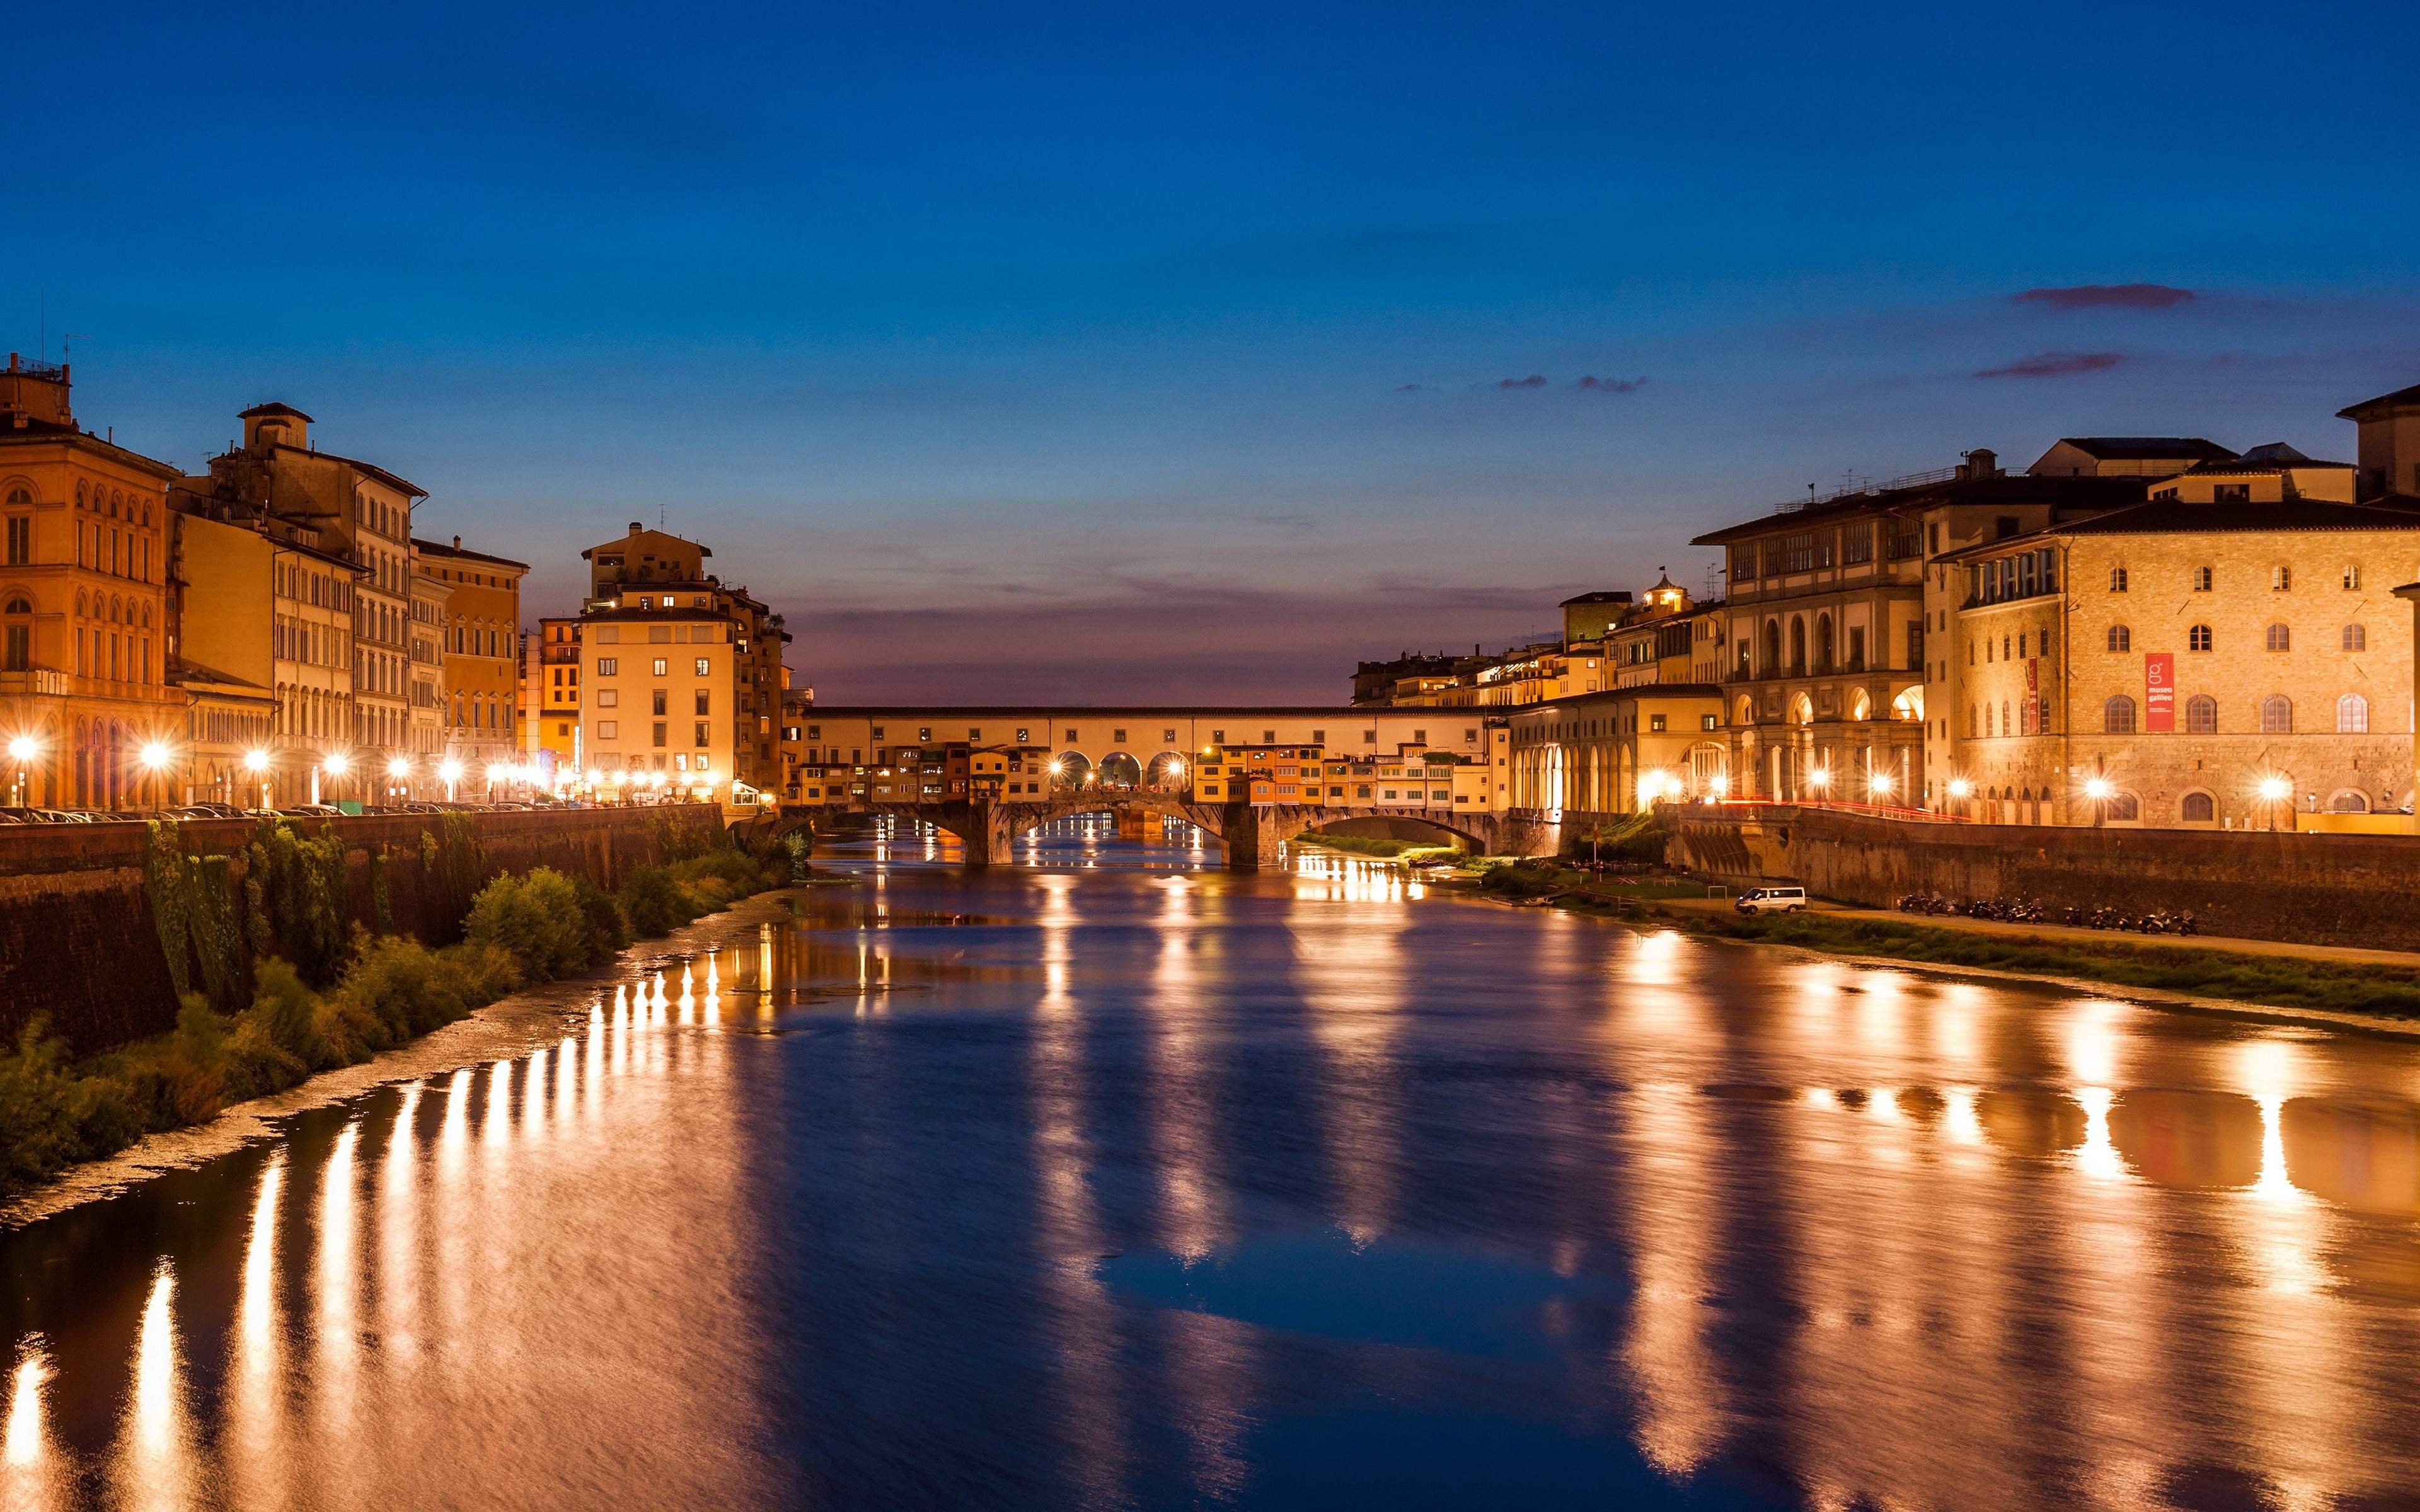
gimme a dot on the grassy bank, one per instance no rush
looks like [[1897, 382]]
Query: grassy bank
[[380, 990], [1393, 850], [2277, 981]]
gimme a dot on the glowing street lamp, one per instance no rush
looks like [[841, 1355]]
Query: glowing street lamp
[[256, 762], [1880, 783], [1821, 780], [451, 770], [2275, 790], [21, 750], [1960, 787], [1720, 783]]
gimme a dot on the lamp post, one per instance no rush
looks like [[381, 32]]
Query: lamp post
[[451, 770], [1880, 785], [1821, 780], [2275, 790], [23, 749], [256, 762], [1959, 788], [398, 772], [154, 756], [338, 763], [2097, 789]]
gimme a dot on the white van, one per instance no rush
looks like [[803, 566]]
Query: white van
[[1772, 899]]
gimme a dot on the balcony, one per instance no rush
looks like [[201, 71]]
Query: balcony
[[40, 682]]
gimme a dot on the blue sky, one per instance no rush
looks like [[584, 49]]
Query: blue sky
[[1112, 353]]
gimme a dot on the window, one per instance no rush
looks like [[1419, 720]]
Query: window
[[608, 729], [2117, 715], [1655, 723], [2277, 715], [2355, 638], [2120, 637], [21, 535], [2201, 579], [660, 698], [2352, 577], [1857, 544], [1798, 553], [2353, 714], [608, 665], [1916, 645], [702, 737], [660, 665], [2116, 579], [2124, 805], [2280, 579], [704, 699], [2198, 808], [704, 668], [2201, 715], [659, 733], [608, 698], [2197, 639], [1743, 565], [1710, 721], [2280, 637]]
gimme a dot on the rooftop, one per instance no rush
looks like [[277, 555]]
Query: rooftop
[[2145, 448]]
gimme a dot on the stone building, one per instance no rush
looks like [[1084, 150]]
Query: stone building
[[2388, 449], [86, 638], [658, 680], [1619, 751], [551, 697], [2188, 661], [1826, 645]]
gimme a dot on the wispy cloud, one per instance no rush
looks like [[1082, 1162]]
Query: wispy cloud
[[1613, 385], [2055, 364], [1407, 388], [1535, 380], [2107, 297]]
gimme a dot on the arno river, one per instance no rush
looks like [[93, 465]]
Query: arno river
[[1117, 1182]]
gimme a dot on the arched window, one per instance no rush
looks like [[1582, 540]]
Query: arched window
[[2277, 715], [1861, 705], [17, 636], [2350, 802], [2355, 638], [1798, 645], [2007, 726], [2353, 714], [2201, 715], [1823, 643], [2280, 639], [18, 604], [2197, 639], [2198, 808], [1746, 713], [2124, 807], [2120, 637], [20, 497], [2117, 715], [1773, 648]]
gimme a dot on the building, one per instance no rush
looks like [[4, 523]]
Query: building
[[2188, 661], [659, 682], [551, 697], [1828, 662], [2126, 456], [86, 633], [355, 511], [480, 704], [1620, 751], [419, 770], [262, 605], [1667, 640], [651, 572], [2387, 451]]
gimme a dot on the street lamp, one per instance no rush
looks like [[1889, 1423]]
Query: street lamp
[[1820, 780], [256, 762], [21, 750], [451, 770], [2275, 790], [1880, 783], [154, 756]]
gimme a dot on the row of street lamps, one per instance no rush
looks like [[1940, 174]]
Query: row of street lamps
[[157, 756]]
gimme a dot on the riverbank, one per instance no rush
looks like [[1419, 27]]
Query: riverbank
[[511, 1027]]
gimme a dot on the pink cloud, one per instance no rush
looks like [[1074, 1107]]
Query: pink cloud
[[2056, 365], [2107, 297]]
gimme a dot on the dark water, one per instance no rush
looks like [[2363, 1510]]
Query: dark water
[[1106, 1184]]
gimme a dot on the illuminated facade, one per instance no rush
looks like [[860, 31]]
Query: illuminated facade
[[87, 635], [479, 705]]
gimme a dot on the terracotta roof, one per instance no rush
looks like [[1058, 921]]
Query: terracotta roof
[[439, 550], [2006, 488], [2397, 400], [2169, 516]]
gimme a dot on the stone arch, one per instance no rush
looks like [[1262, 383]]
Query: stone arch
[[1168, 771], [1861, 704], [1070, 769], [1119, 769], [1744, 713], [1802, 710]]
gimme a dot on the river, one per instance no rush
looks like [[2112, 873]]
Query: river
[[1112, 1179]]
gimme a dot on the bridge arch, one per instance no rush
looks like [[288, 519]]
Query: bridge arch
[[1168, 771], [1120, 770], [1070, 769]]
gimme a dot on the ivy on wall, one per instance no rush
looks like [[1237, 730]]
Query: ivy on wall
[[297, 889], [193, 905]]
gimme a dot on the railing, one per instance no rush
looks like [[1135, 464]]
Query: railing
[[1758, 808]]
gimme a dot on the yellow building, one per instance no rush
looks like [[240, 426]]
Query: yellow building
[[481, 701], [657, 683], [655, 572], [86, 629], [551, 697], [416, 772], [1620, 752], [261, 605]]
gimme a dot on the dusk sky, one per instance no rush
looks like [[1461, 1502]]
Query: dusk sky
[[1133, 353]]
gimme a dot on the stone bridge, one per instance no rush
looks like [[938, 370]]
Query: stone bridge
[[1249, 834]]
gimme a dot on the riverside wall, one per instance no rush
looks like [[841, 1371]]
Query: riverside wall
[[2305, 889], [80, 942]]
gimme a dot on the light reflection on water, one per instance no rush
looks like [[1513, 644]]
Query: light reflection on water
[[1113, 1184]]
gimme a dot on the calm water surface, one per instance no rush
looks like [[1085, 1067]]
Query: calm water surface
[[1112, 1181]]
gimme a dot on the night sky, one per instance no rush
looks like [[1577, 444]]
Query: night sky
[[1151, 352]]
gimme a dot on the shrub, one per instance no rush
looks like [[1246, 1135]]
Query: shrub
[[50, 1117], [540, 918], [287, 1012], [654, 903], [608, 932]]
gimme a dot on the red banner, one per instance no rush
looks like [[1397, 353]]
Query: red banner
[[2160, 692]]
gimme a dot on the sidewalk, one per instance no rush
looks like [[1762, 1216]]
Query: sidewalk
[[2062, 932]]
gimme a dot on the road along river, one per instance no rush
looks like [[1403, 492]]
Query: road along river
[[1114, 1181]]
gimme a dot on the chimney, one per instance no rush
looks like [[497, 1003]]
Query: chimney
[[636, 527], [458, 543]]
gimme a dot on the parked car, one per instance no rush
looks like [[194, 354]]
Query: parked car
[[313, 810], [1772, 901]]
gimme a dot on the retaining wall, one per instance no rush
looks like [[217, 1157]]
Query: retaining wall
[[2310, 888], [80, 943]]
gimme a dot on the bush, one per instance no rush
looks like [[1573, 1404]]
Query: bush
[[541, 919], [50, 1117], [654, 903]]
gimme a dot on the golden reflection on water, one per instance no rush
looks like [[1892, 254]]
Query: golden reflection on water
[[155, 1465], [27, 1474]]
